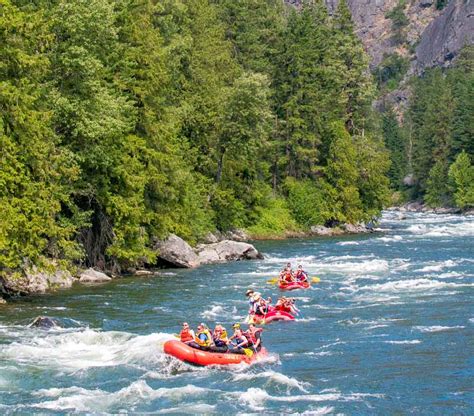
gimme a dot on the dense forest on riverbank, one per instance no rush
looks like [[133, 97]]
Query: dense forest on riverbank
[[432, 150], [124, 121]]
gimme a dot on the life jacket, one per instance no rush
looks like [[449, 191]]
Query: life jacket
[[185, 335], [207, 342], [301, 276], [288, 277], [250, 337]]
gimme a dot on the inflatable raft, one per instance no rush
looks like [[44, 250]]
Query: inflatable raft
[[190, 355], [272, 315], [293, 285]]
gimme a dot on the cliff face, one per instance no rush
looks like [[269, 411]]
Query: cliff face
[[439, 34], [446, 35]]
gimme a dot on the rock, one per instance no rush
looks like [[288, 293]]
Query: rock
[[177, 252], [426, 3], [143, 273], [321, 230], [355, 228], [210, 238], [227, 250], [409, 180], [93, 276], [443, 210], [35, 281], [446, 35], [235, 235], [469, 212], [44, 322], [414, 206], [2, 301]]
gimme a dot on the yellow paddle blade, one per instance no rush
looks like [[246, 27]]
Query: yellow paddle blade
[[177, 335], [273, 280], [248, 352], [315, 279]]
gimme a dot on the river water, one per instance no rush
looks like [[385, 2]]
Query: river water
[[388, 330]]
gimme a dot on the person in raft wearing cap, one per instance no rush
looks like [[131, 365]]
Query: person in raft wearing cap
[[286, 275]]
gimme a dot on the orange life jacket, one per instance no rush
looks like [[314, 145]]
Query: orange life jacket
[[185, 335]]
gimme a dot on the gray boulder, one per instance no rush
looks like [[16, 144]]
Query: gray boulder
[[35, 281], [355, 228], [321, 230], [227, 250], [93, 276], [177, 252], [44, 322], [2, 301]]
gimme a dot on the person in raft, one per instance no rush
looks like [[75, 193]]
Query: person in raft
[[202, 339], [220, 339], [286, 305], [261, 305], [254, 336], [187, 334], [238, 341], [286, 275], [301, 275]]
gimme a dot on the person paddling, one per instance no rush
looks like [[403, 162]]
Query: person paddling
[[220, 339], [203, 337], [286, 275], [239, 340], [301, 275], [254, 336]]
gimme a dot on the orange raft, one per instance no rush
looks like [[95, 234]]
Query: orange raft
[[293, 285], [190, 355]]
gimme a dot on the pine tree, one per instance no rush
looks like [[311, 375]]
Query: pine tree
[[395, 143], [461, 173], [35, 174]]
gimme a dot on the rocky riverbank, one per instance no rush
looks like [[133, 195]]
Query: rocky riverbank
[[416, 206]]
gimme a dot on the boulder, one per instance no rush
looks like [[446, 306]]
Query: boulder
[[227, 250], [2, 301], [93, 276], [177, 252], [44, 322], [236, 235], [35, 281], [447, 210], [142, 272], [321, 230], [355, 228], [210, 238]]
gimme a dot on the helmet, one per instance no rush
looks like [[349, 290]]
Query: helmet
[[249, 292], [236, 325]]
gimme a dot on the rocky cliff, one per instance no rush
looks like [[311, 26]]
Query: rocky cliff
[[428, 36]]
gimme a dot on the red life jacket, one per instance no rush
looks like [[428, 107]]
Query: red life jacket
[[251, 338], [288, 277], [185, 335]]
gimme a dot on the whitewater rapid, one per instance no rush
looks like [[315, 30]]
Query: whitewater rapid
[[389, 329]]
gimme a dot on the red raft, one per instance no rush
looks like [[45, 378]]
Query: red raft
[[190, 355], [293, 285], [272, 315]]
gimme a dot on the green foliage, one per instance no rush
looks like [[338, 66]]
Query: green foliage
[[437, 193], [274, 220], [391, 71], [399, 21], [124, 121], [440, 4], [461, 172], [395, 142], [312, 203]]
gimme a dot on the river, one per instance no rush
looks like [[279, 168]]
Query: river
[[388, 330]]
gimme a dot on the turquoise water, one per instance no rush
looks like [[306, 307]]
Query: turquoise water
[[388, 330]]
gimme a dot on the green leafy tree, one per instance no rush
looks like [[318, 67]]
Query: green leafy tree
[[461, 172]]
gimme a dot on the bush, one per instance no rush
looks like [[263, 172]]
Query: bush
[[274, 220], [311, 203]]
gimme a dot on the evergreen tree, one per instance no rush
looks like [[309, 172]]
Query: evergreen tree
[[35, 174], [461, 173], [395, 144]]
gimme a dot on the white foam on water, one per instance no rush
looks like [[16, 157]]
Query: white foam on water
[[273, 377], [413, 341], [255, 398], [438, 266], [471, 320], [448, 275], [413, 285], [390, 239], [85, 349], [355, 268], [319, 411], [193, 409], [348, 243], [438, 328], [293, 260], [430, 229], [84, 400]]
